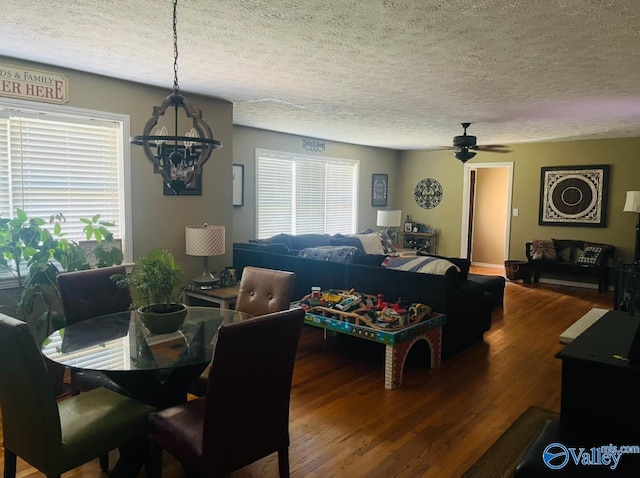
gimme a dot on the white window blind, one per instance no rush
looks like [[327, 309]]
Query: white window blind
[[299, 194], [55, 162]]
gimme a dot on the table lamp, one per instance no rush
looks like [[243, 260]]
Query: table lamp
[[389, 218], [632, 204], [205, 241]]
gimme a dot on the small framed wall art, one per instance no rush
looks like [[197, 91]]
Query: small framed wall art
[[238, 184], [574, 196], [194, 188], [379, 189]]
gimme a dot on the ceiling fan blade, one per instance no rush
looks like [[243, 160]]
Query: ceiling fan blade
[[494, 148]]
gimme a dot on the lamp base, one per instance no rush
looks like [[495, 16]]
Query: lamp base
[[206, 280]]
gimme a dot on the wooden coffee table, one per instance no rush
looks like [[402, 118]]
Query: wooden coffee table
[[398, 342]]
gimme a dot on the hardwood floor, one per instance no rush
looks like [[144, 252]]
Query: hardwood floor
[[345, 424]]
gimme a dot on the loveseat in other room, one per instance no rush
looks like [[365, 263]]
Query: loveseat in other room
[[569, 258], [339, 262]]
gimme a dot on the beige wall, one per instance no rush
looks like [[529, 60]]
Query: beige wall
[[621, 154], [489, 236], [158, 220], [372, 160]]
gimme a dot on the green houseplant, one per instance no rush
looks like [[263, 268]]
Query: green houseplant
[[26, 242], [156, 287]]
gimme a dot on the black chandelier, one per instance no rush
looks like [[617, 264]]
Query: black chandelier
[[179, 159]]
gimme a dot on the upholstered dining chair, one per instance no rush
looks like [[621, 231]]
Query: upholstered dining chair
[[86, 294], [56, 436], [261, 291], [245, 414]]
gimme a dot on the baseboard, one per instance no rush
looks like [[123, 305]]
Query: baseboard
[[483, 264], [584, 285]]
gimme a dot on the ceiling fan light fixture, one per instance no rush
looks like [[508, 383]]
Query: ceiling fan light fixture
[[178, 158], [464, 154]]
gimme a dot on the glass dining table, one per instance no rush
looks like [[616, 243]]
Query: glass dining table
[[155, 369]]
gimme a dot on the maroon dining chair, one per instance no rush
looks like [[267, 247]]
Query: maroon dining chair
[[245, 413]]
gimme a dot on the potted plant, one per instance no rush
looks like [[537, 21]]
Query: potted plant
[[156, 287], [25, 240]]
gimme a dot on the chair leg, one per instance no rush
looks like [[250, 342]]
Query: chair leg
[[10, 460], [283, 463], [104, 462], [153, 466]]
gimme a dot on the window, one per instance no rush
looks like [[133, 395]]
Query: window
[[56, 159], [300, 194]]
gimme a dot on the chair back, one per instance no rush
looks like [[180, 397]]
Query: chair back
[[263, 291], [90, 293], [30, 418], [247, 404]]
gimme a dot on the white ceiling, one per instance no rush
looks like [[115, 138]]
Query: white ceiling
[[393, 73]]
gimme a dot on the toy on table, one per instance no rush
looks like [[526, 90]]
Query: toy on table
[[364, 309]]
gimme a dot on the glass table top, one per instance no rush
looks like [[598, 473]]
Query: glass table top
[[120, 342]]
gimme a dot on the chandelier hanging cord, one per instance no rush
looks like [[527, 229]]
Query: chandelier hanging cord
[[178, 158], [176, 87]]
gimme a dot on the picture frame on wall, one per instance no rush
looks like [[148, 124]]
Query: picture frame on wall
[[574, 196], [238, 184], [379, 189], [194, 188]]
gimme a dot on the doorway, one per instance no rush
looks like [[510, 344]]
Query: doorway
[[486, 213]]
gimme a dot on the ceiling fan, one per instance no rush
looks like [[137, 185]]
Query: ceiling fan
[[465, 147]]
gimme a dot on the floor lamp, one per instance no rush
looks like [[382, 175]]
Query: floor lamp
[[205, 241], [632, 204]]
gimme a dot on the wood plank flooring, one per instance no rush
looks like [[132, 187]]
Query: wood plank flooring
[[345, 424]]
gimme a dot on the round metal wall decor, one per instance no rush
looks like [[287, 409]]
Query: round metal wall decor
[[428, 193]]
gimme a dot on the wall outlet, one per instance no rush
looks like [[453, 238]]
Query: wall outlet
[[515, 212]]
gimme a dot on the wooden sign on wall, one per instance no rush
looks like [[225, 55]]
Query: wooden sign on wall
[[28, 84]]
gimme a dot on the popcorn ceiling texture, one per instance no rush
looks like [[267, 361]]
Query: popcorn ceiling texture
[[393, 73]]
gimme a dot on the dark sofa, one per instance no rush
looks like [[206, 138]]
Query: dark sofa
[[569, 258], [466, 303]]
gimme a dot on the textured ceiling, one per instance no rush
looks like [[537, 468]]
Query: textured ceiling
[[393, 73]]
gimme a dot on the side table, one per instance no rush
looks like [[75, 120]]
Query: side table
[[225, 297]]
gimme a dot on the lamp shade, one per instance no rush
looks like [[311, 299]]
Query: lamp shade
[[205, 240], [632, 204], [389, 218]]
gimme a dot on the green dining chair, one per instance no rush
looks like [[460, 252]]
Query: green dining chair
[[56, 436]]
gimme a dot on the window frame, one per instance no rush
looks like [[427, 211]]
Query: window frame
[[31, 107], [288, 156]]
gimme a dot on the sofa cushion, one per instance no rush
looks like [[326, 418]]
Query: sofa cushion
[[374, 260], [342, 240], [329, 253], [543, 250], [302, 241], [427, 265], [277, 247]]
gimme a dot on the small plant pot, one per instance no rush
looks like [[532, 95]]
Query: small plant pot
[[161, 319]]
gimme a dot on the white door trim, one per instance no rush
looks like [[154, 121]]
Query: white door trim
[[468, 167]]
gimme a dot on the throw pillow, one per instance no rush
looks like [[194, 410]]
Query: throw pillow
[[370, 243], [387, 243], [422, 264], [543, 250], [590, 255]]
